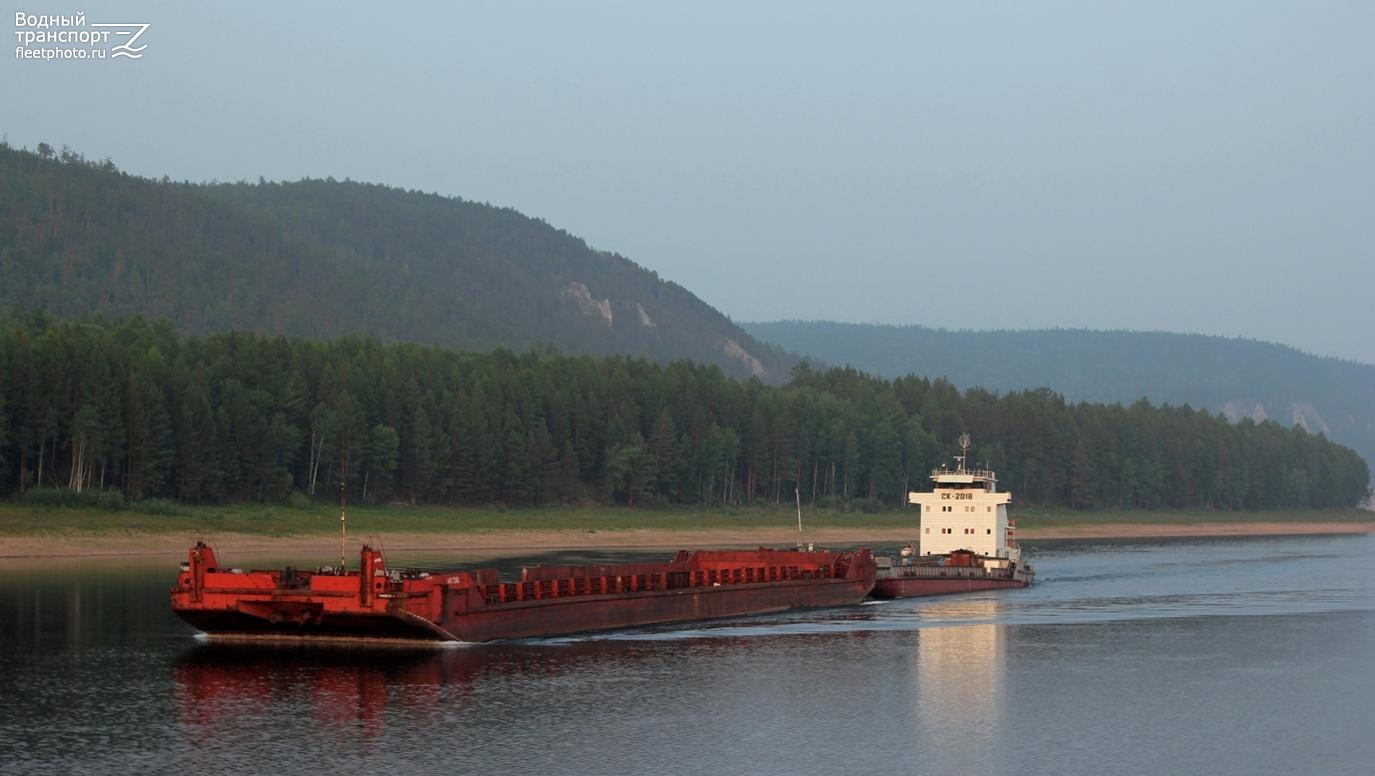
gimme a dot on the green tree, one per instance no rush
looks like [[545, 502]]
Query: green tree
[[197, 466], [661, 451], [383, 456], [569, 473], [1083, 492], [149, 453]]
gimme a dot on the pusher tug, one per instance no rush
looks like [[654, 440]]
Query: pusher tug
[[967, 540]]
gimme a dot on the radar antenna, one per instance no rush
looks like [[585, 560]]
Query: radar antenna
[[964, 451]]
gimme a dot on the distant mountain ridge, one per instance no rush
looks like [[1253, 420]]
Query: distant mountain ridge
[[1239, 378], [321, 258]]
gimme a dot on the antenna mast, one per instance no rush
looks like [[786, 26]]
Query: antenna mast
[[798, 495], [964, 450], [343, 522]]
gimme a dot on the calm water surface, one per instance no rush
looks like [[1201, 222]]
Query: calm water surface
[[1247, 656]]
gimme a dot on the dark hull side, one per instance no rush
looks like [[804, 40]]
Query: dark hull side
[[545, 618], [534, 619], [911, 587]]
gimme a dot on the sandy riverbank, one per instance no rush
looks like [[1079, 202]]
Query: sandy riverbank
[[495, 543]]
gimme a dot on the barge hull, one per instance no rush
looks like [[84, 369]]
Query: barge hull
[[538, 619], [375, 603]]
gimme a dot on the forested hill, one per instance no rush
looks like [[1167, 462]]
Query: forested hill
[[321, 258], [133, 408], [1238, 377]]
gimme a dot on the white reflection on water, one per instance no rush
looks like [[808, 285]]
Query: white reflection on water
[[959, 675]]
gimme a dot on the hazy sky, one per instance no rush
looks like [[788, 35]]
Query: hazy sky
[[1186, 166]]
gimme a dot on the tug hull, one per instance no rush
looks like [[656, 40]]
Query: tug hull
[[912, 587], [961, 571]]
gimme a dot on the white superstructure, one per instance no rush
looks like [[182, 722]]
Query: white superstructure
[[965, 511]]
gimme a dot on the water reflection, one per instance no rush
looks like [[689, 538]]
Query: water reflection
[[353, 692], [959, 672], [215, 686]]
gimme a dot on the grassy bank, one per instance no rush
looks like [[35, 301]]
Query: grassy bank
[[1069, 520], [280, 520], [315, 520]]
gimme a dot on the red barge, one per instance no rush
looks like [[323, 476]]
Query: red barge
[[375, 603], [967, 540]]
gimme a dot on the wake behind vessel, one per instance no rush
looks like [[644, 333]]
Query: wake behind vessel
[[967, 540], [377, 604]]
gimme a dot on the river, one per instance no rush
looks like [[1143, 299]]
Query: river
[[1237, 655]]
